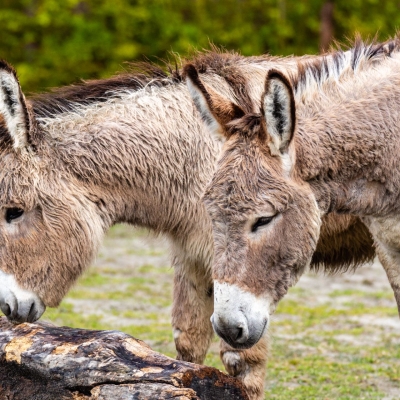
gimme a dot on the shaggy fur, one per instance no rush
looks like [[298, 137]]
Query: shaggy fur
[[343, 158], [131, 149]]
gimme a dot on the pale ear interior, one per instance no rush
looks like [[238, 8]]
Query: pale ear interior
[[204, 109], [13, 109], [277, 106]]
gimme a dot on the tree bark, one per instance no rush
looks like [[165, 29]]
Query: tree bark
[[327, 26], [43, 362]]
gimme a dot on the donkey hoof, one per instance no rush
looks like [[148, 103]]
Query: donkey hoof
[[234, 363]]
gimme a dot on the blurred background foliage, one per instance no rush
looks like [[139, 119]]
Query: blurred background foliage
[[53, 42]]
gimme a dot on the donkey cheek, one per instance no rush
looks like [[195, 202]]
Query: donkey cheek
[[53, 294], [51, 300]]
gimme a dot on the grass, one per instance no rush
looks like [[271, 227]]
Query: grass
[[332, 338]]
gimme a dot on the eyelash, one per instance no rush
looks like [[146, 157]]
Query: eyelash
[[261, 222]]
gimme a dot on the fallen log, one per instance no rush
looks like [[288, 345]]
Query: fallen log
[[44, 362]]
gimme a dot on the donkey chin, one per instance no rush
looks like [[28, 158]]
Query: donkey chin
[[240, 318], [19, 305]]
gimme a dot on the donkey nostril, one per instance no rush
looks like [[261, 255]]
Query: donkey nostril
[[6, 309], [234, 332], [32, 313], [237, 334]]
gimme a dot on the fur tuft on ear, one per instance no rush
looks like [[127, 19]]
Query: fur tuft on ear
[[215, 110], [13, 108], [279, 110]]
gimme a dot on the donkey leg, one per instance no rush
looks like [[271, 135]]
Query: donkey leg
[[390, 260], [247, 365], [191, 312], [386, 233]]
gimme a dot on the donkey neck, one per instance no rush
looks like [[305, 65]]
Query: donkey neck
[[348, 142]]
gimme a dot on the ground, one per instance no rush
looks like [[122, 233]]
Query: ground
[[332, 337]]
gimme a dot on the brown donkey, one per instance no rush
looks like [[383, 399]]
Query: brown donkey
[[331, 148], [130, 149]]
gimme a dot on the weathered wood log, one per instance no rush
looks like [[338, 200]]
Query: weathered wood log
[[41, 361]]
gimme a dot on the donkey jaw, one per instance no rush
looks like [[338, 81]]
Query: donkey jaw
[[19, 305], [240, 318]]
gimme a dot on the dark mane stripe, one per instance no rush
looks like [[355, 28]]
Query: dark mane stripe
[[319, 69], [371, 50], [66, 98]]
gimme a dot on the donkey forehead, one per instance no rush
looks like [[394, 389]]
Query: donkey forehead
[[250, 154], [18, 169], [238, 193], [17, 191], [14, 163]]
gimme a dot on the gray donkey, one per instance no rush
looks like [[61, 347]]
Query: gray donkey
[[303, 155], [132, 149]]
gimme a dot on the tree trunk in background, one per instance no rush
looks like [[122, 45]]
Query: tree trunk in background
[[326, 26], [43, 362]]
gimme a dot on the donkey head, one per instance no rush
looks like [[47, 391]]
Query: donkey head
[[48, 226], [265, 218]]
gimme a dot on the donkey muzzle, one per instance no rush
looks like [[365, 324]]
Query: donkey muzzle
[[17, 304], [240, 318]]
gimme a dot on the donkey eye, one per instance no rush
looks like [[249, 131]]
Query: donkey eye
[[13, 213], [261, 222]]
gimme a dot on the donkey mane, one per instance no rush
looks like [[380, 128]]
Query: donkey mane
[[64, 99], [213, 61], [138, 76], [314, 73], [141, 74]]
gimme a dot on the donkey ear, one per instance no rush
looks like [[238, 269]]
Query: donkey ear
[[13, 108], [215, 110], [279, 111]]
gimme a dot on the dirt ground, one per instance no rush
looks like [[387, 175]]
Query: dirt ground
[[332, 337]]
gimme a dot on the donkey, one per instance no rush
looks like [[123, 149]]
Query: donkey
[[303, 155], [131, 149]]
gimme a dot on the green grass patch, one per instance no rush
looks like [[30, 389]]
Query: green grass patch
[[320, 349]]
